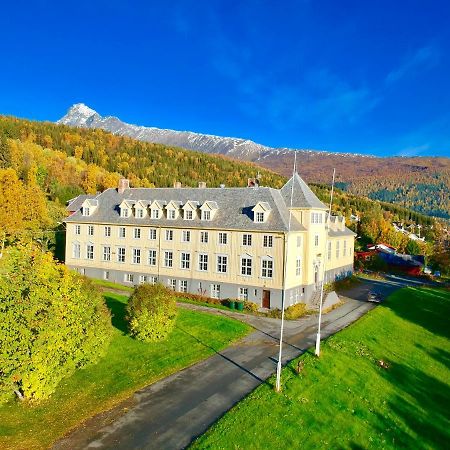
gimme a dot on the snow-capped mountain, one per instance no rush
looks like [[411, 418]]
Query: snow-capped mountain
[[80, 115]]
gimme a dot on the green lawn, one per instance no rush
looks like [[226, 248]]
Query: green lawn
[[128, 366], [345, 399]]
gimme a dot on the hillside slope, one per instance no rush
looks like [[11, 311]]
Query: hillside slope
[[422, 184]]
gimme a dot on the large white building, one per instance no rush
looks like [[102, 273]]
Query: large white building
[[247, 243]]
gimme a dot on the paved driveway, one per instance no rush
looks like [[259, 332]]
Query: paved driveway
[[170, 413]]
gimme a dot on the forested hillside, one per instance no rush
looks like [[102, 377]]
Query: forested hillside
[[42, 165]]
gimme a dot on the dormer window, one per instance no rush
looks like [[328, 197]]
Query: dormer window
[[124, 212], [259, 217], [155, 213], [206, 215], [188, 215], [85, 211], [171, 214], [89, 206], [208, 210], [139, 213]]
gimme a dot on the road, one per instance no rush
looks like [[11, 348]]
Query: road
[[170, 413]]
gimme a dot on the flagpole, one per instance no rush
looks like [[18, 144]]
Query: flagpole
[[317, 352], [283, 293]]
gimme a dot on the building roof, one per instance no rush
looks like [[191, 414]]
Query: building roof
[[234, 208], [302, 195]]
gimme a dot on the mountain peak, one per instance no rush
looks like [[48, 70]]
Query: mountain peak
[[78, 115]]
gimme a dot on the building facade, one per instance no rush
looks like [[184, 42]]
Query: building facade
[[252, 243]]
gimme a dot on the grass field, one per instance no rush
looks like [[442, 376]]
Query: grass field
[[128, 366], [346, 399]]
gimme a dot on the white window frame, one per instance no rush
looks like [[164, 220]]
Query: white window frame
[[223, 238], [206, 215], [172, 282], [246, 266], [168, 258], [268, 241], [128, 278], [267, 268], [122, 232], [182, 286], [90, 230], [139, 214], [152, 234], [171, 214], [155, 213], [136, 256], [152, 257], [90, 251], [124, 212], [77, 230], [298, 266], [316, 240], [243, 294], [121, 255], [337, 250], [85, 211], [246, 240], [215, 290], [136, 233], [168, 235], [188, 214], [185, 260], [203, 262], [329, 252], [222, 262], [186, 236], [344, 250], [106, 253], [204, 237], [107, 231], [76, 250], [259, 217]]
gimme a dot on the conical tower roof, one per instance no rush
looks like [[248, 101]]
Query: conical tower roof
[[303, 196]]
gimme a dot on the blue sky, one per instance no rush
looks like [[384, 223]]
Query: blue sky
[[351, 76]]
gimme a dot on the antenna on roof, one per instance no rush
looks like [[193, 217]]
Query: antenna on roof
[[283, 294], [317, 352]]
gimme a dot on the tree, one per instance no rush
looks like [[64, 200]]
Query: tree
[[151, 312], [53, 322]]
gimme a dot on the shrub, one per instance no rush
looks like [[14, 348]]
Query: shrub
[[250, 306], [295, 311], [53, 321], [151, 312]]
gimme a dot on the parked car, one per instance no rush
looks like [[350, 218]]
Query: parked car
[[374, 297]]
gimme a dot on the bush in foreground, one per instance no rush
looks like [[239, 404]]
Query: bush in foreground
[[151, 312], [52, 322]]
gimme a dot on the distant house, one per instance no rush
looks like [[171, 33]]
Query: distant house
[[253, 243], [382, 247]]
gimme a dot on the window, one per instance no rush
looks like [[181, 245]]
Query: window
[[267, 268], [298, 267], [136, 255], [155, 213], [259, 217], [344, 251], [140, 213], [85, 211], [186, 236], [171, 214], [243, 294], [247, 239], [204, 237], [90, 251], [152, 257], [183, 285], [124, 212], [188, 215], [223, 238], [268, 240], [107, 231], [316, 240], [329, 251], [90, 230], [169, 235], [106, 275], [215, 290], [203, 262], [152, 279], [206, 215], [246, 266], [316, 217], [106, 253], [152, 234], [222, 263], [121, 254], [129, 278], [142, 279], [185, 262], [76, 250], [172, 283], [168, 259], [77, 229], [337, 249], [121, 232], [299, 241], [137, 233]]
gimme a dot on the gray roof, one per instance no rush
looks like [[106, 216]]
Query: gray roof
[[234, 208], [337, 233], [75, 203], [303, 196]]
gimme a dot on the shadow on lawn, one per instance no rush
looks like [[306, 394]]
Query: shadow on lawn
[[118, 313], [427, 308], [421, 404]]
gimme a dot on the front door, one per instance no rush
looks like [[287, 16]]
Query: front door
[[266, 299]]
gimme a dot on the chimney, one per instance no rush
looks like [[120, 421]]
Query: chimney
[[123, 184], [177, 184], [252, 182], [201, 185]]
